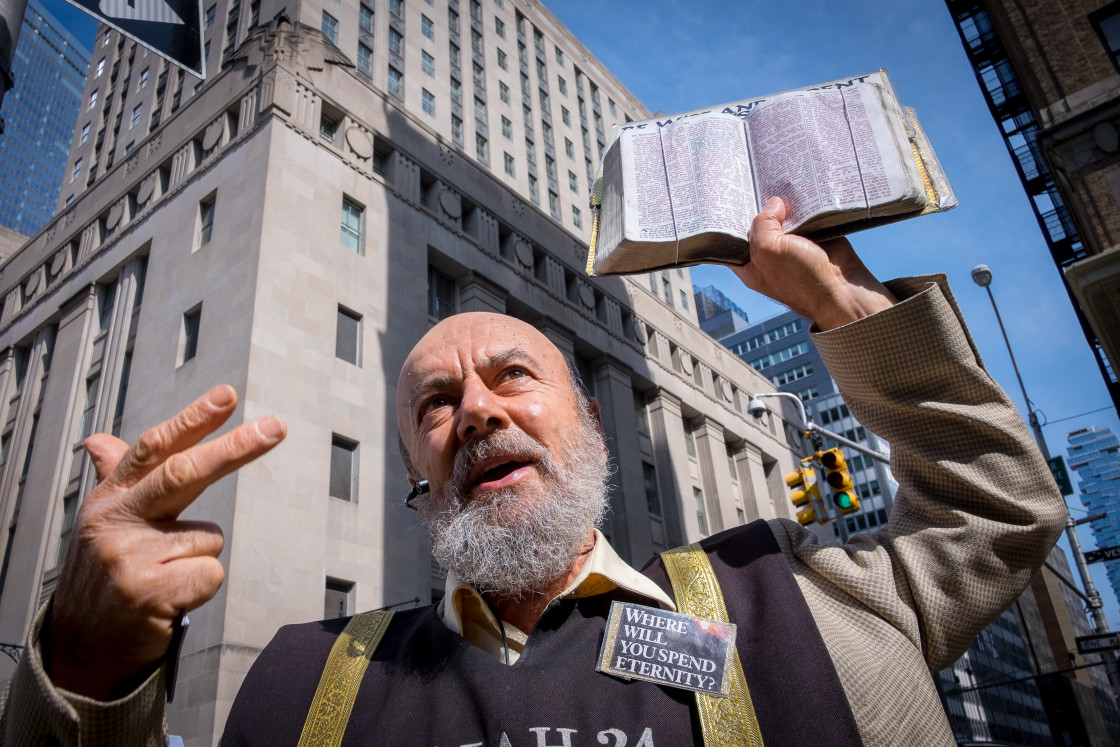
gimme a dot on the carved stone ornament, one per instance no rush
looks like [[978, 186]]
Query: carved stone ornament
[[640, 332], [686, 363], [450, 202], [586, 295], [213, 135], [155, 143], [360, 142], [147, 189], [35, 283], [446, 155], [523, 251], [1106, 138], [115, 214], [58, 264], [130, 165], [518, 208]]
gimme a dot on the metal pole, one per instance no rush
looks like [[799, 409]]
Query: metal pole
[[1091, 595]]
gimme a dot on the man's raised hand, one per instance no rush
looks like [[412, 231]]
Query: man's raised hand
[[825, 282], [132, 565]]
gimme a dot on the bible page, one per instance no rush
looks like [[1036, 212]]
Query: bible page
[[649, 216]]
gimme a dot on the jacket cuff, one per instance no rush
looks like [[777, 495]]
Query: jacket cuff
[[39, 712]]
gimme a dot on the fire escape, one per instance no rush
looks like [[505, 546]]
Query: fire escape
[[1011, 110]]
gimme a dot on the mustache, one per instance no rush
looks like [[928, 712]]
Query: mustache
[[512, 442]]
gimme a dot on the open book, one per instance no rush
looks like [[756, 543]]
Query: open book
[[681, 190]]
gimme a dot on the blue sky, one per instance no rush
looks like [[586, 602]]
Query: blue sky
[[677, 55]]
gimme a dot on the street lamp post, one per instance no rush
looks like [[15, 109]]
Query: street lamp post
[[982, 276]]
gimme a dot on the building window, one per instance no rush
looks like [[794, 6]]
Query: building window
[[653, 498], [507, 128], [456, 91], [396, 7], [550, 166], [77, 170], [546, 131], [454, 54], [456, 130], [428, 101], [529, 152], [668, 287], [427, 28], [92, 100], [573, 182], [480, 110], [481, 147], [614, 111], [503, 60], [453, 21], [566, 117], [85, 132], [105, 39], [569, 148], [100, 67], [701, 512], [544, 100], [339, 599], [503, 92], [344, 468], [534, 193], [395, 42], [684, 300], [559, 56], [189, 345], [135, 116], [476, 10], [577, 218], [641, 414], [554, 204], [330, 27], [348, 337], [509, 165], [210, 13], [93, 386], [562, 85], [351, 226], [689, 440], [479, 75], [476, 42], [396, 81], [143, 79], [365, 18], [441, 295], [500, 27], [365, 60], [205, 221], [428, 64]]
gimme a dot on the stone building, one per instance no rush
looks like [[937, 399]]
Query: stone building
[[1050, 73], [292, 227]]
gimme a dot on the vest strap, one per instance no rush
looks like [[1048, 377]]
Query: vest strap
[[725, 722], [342, 676]]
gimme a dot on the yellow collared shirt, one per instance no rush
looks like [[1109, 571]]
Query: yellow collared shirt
[[464, 612]]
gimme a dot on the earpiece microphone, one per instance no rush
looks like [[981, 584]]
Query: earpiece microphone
[[418, 489]]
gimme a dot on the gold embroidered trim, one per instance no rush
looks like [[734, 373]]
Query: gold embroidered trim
[[342, 675], [725, 722]]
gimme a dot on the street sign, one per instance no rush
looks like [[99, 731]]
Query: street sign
[[1091, 644], [1057, 467], [170, 28], [1104, 553]]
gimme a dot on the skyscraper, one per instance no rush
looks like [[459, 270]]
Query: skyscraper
[[350, 175], [1094, 453], [49, 68]]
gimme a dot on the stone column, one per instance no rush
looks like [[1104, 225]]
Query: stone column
[[711, 450], [630, 517], [671, 462], [476, 293]]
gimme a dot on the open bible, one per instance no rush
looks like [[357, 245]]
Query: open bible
[[681, 190]]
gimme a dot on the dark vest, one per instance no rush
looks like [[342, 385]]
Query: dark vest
[[427, 686]]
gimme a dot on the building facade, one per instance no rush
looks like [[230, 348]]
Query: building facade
[[49, 68], [1094, 453], [292, 228], [1050, 73], [781, 349]]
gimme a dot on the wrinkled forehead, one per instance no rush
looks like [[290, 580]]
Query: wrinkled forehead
[[457, 345]]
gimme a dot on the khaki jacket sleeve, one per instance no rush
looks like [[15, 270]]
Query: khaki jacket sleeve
[[33, 711], [976, 512]]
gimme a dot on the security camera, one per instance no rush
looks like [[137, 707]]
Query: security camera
[[757, 408]]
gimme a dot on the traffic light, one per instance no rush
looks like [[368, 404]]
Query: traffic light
[[844, 495], [802, 492]]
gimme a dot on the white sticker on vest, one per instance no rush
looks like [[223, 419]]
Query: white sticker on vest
[[646, 643]]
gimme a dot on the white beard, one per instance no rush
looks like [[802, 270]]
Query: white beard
[[519, 540]]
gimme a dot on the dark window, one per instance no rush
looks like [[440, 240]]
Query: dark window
[[205, 221], [191, 321], [339, 599], [1106, 21], [441, 295], [653, 499], [344, 468], [347, 337]]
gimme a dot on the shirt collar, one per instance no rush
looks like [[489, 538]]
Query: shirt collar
[[603, 572]]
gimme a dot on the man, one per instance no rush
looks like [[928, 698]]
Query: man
[[836, 643]]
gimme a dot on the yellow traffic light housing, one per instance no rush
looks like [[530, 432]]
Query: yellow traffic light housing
[[803, 489], [844, 496]]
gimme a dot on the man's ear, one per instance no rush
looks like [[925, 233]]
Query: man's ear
[[593, 406]]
